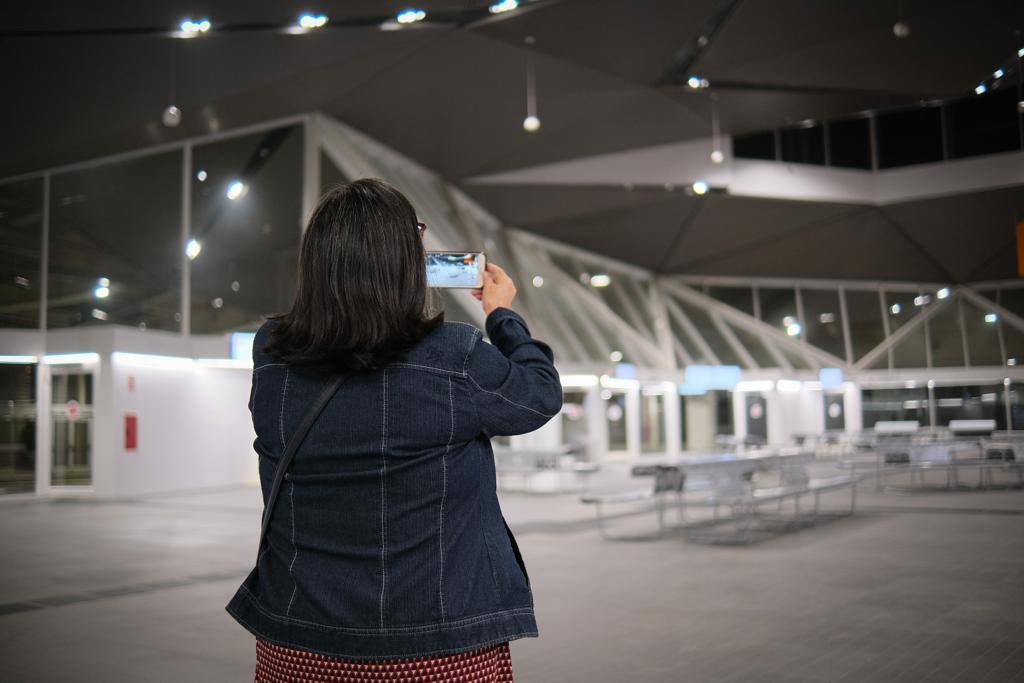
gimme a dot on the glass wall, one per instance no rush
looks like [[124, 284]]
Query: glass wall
[[615, 417], [115, 244], [880, 405], [652, 422], [21, 241], [574, 419], [866, 329], [979, 402], [247, 221], [823, 320], [17, 428]]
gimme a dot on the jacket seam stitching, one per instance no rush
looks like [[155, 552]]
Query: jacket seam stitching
[[394, 630], [508, 400], [295, 555], [383, 498], [280, 421], [269, 365], [427, 367], [444, 493]]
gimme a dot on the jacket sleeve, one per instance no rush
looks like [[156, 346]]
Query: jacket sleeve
[[515, 385]]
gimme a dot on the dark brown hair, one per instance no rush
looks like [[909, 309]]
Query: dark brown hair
[[361, 300]]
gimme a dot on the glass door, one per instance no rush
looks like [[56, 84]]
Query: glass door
[[72, 427]]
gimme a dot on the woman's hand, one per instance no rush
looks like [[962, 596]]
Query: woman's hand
[[498, 290]]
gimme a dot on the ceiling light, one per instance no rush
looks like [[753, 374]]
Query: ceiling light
[[538, 281], [827, 318], [503, 6], [793, 329], [696, 82], [190, 29], [900, 29], [201, 176], [410, 16], [981, 89], [998, 73], [942, 293], [99, 314], [990, 318], [171, 116], [600, 280], [700, 187], [531, 124], [717, 157], [615, 356], [101, 292], [192, 249], [308, 21], [217, 303], [1020, 52], [788, 320], [922, 300], [895, 309], [236, 190], [1011, 361]]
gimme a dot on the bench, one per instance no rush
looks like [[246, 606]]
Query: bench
[[667, 480]]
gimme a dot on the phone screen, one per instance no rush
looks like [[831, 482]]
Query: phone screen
[[455, 269]]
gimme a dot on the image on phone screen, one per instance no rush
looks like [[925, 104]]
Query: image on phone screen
[[455, 269]]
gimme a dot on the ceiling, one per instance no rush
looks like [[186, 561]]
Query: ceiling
[[453, 99]]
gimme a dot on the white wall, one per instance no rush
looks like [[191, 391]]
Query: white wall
[[700, 422]]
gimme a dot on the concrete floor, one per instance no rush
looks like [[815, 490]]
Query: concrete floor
[[927, 586]]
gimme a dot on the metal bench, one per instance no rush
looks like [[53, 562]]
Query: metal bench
[[667, 480]]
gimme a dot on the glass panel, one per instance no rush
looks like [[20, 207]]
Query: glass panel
[[795, 359], [803, 145], [741, 298], [330, 174], [982, 328], [849, 143], [910, 352], [687, 341], [574, 420], [615, 417], [702, 321], [907, 137], [72, 418], [778, 307], [1013, 339], [983, 125], [900, 308], [246, 216], [754, 146], [894, 404], [755, 347], [970, 403], [652, 423], [682, 422], [1017, 405], [824, 327], [21, 242], [18, 428], [1011, 298], [115, 244], [944, 336], [866, 330]]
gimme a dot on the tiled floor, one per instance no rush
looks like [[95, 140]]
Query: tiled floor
[[915, 587]]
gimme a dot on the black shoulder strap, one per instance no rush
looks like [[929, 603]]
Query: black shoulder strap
[[293, 445]]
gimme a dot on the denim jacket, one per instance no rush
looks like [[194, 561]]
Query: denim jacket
[[387, 539]]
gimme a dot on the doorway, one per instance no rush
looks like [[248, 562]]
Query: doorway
[[71, 420]]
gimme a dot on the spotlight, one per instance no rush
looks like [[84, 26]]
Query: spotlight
[[236, 190], [600, 280], [615, 356], [192, 249], [217, 303], [696, 82], [531, 124], [981, 89], [99, 314], [201, 176], [991, 318], [717, 157], [826, 318], [101, 292], [900, 29], [788, 320], [895, 309], [410, 16], [998, 73], [700, 187], [942, 293], [1020, 53], [538, 281], [171, 116], [503, 6], [922, 300], [793, 329]]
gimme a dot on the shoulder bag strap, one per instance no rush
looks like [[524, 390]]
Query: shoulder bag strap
[[293, 445]]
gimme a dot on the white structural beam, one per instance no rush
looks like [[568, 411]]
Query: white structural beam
[[684, 322], [680, 163], [892, 340]]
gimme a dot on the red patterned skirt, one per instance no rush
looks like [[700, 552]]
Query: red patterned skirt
[[278, 664]]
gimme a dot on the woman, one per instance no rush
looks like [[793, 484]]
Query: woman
[[386, 555]]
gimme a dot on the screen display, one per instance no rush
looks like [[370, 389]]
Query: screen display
[[455, 269]]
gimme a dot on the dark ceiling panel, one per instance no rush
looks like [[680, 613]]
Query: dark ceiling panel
[[529, 206]]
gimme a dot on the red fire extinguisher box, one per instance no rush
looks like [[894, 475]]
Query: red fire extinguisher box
[[131, 431]]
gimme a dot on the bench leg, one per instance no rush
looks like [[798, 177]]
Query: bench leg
[[600, 521], [817, 503], [853, 497], [680, 508]]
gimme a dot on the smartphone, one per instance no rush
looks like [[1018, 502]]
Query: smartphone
[[463, 269]]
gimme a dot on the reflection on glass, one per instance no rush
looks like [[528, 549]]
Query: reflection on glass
[[615, 416], [741, 298], [900, 308], [707, 329], [723, 413], [823, 319], [970, 403], [878, 405], [21, 238], [778, 308], [945, 338], [982, 329], [249, 238], [910, 352], [18, 428], [115, 244], [652, 423], [72, 419]]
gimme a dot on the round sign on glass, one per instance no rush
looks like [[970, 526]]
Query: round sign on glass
[[756, 411]]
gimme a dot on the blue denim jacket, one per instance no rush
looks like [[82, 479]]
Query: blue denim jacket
[[387, 539]]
